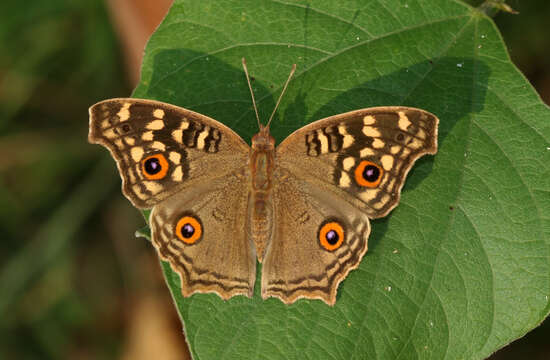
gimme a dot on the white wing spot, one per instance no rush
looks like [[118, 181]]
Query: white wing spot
[[177, 135], [368, 195], [380, 204], [152, 187], [348, 163], [155, 125], [404, 121], [175, 157], [138, 170], [390, 185], [415, 144], [369, 120], [158, 113], [324, 141], [344, 180], [366, 152], [110, 134], [177, 174], [202, 136], [132, 177], [137, 153], [370, 131], [130, 140], [124, 112], [158, 145], [387, 162], [378, 144], [139, 194], [348, 139], [147, 136]]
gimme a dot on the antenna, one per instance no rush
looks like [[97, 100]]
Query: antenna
[[251, 93], [282, 92], [280, 96]]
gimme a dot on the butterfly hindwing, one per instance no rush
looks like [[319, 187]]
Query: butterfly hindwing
[[318, 239], [199, 231], [159, 147]]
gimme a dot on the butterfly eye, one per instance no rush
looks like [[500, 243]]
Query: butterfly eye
[[189, 229], [154, 167], [331, 235], [368, 174]]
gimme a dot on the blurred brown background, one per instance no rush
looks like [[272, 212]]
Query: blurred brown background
[[74, 282]]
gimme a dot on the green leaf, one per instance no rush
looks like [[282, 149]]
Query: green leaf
[[461, 267]]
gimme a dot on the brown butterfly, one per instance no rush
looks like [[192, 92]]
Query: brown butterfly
[[302, 208]]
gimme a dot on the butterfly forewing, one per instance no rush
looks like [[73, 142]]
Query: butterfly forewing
[[366, 154], [160, 148]]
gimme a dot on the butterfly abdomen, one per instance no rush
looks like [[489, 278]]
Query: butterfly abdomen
[[260, 226]]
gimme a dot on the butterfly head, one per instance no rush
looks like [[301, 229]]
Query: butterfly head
[[263, 140]]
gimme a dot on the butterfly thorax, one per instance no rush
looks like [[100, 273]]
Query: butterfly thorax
[[260, 207]]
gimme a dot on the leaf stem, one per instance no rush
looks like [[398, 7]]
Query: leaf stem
[[493, 7]]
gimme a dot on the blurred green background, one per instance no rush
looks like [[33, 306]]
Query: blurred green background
[[74, 282]]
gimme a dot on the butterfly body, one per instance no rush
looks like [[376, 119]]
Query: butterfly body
[[302, 208], [260, 206]]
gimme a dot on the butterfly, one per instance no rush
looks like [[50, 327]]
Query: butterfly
[[301, 208]]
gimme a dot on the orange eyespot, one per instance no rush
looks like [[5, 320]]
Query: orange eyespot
[[154, 167], [189, 229], [368, 174], [331, 235]]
